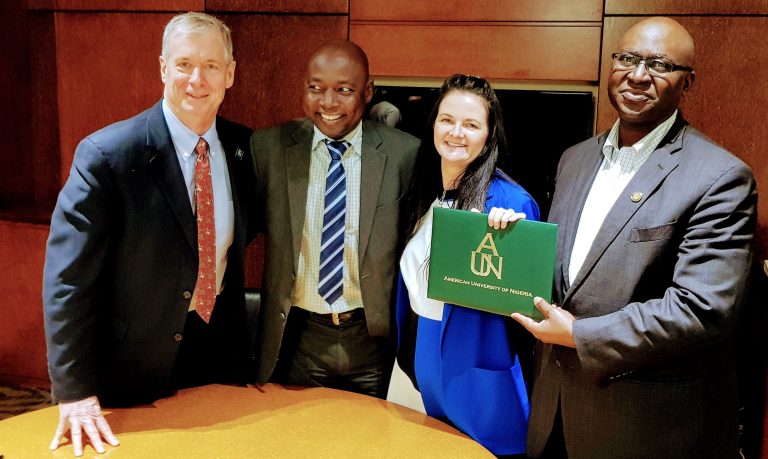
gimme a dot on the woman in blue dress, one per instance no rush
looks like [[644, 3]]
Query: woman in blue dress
[[465, 363]]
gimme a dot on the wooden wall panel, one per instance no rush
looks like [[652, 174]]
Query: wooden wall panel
[[22, 340], [279, 6], [44, 146], [272, 53], [729, 100], [108, 70], [478, 10], [15, 124], [499, 50], [118, 5], [30, 177], [685, 7]]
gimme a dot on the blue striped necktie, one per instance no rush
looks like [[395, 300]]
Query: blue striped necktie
[[331, 280]]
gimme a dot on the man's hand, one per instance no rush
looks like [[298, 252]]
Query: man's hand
[[83, 415], [556, 328], [499, 217]]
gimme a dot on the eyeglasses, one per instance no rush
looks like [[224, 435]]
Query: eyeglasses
[[654, 66]]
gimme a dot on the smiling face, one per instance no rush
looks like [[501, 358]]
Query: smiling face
[[196, 74], [337, 90], [644, 101], [461, 129]]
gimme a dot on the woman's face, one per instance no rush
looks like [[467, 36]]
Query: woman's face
[[461, 128]]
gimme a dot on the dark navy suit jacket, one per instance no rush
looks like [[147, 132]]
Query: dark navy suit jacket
[[121, 265]]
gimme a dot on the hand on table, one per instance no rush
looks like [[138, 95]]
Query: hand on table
[[83, 415], [499, 217], [556, 328]]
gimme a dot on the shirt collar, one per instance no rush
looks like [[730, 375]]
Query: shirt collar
[[643, 146], [354, 137], [184, 139]]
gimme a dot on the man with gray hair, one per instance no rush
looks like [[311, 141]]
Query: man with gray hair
[[143, 279]]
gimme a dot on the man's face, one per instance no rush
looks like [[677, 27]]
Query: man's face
[[336, 92], [642, 100], [196, 75]]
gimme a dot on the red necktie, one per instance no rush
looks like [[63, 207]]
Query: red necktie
[[206, 234]]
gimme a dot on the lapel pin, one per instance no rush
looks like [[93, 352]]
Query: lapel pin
[[239, 153], [636, 196]]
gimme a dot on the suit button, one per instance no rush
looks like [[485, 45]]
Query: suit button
[[187, 294], [558, 363], [282, 315], [178, 337]]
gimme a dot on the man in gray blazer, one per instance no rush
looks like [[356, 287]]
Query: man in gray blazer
[[655, 232], [332, 186]]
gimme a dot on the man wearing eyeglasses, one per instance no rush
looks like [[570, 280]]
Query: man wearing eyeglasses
[[655, 232]]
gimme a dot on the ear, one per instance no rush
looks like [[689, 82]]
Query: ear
[[689, 79], [231, 74], [162, 69], [368, 91]]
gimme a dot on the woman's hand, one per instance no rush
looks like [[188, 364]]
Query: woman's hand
[[499, 218]]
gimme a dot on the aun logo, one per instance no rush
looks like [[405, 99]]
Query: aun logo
[[485, 262]]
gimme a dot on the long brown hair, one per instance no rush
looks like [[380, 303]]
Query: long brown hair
[[427, 181]]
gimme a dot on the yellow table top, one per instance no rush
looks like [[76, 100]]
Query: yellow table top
[[270, 421]]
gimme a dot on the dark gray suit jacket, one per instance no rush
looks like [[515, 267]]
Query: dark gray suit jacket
[[281, 161], [655, 302], [121, 263]]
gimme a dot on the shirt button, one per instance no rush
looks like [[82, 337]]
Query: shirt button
[[187, 294], [178, 337], [282, 315]]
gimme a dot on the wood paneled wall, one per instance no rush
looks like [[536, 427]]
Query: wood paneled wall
[[486, 10], [518, 51], [522, 40], [22, 341], [685, 7]]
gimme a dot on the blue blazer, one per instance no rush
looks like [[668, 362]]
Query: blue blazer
[[479, 379]]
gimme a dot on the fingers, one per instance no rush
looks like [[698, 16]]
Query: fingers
[[544, 308], [93, 435], [77, 436], [499, 217], [83, 415], [60, 429], [528, 323], [106, 431]]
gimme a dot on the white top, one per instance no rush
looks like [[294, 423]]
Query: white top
[[414, 266]]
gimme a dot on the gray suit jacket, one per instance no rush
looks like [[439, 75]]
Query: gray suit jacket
[[655, 302], [281, 160]]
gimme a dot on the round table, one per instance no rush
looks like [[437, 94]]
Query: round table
[[270, 421]]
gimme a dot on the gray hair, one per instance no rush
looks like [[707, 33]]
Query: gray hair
[[194, 22]]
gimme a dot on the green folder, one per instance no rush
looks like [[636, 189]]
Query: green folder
[[500, 271]]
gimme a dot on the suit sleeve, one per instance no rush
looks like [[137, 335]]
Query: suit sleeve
[[75, 256], [700, 306]]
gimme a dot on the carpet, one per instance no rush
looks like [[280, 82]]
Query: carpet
[[15, 400]]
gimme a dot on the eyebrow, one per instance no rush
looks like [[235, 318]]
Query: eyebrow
[[650, 56], [464, 120]]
